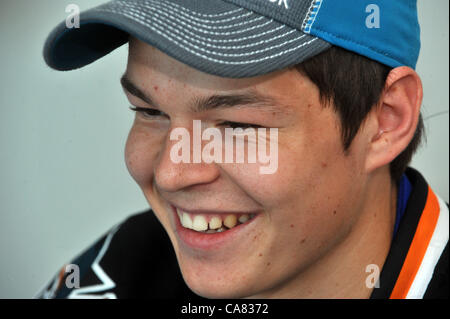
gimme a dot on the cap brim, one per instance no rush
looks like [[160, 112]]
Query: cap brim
[[212, 36]]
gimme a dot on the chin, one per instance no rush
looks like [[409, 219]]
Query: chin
[[214, 287], [214, 292]]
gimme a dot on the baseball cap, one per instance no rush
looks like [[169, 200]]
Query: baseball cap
[[241, 38]]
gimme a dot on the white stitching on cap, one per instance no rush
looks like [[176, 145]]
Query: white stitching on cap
[[206, 57], [204, 31], [240, 46], [218, 53], [165, 5], [198, 13], [221, 34], [180, 32], [237, 39], [212, 59], [214, 33], [195, 23]]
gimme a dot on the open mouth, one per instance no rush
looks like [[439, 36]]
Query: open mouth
[[209, 231], [212, 223]]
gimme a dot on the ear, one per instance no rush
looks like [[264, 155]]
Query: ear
[[395, 119]]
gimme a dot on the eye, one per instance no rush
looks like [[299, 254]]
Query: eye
[[234, 125], [148, 112]]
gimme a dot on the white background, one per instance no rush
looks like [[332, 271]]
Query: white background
[[62, 136]]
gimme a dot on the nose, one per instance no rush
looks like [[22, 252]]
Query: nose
[[172, 175]]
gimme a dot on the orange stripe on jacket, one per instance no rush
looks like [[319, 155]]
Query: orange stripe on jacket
[[419, 245]]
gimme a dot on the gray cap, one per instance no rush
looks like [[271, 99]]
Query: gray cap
[[232, 38], [242, 38]]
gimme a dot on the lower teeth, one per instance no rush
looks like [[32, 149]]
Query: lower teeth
[[213, 231]]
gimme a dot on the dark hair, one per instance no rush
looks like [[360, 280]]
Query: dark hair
[[353, 84]]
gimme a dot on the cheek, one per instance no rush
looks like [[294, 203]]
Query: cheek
[[140, 153], [323, 199]]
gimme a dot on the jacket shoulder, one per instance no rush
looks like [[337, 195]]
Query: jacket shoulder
[[110, 252]]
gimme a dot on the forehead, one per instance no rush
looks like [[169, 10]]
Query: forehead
[[150, 60], [149, 68]]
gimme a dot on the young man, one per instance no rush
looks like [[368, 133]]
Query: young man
[[335, 81]]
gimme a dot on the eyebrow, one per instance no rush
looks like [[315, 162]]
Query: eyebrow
[[215, 101], [248, 99], [134, 90]]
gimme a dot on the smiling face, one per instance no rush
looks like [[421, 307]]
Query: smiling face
[[303, 211]]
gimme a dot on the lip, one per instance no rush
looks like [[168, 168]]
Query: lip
[[201, 241]]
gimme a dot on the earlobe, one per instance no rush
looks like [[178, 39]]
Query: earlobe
[[396, 117]]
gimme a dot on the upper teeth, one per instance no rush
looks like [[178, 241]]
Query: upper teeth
[[200, 222], [215, 223]]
